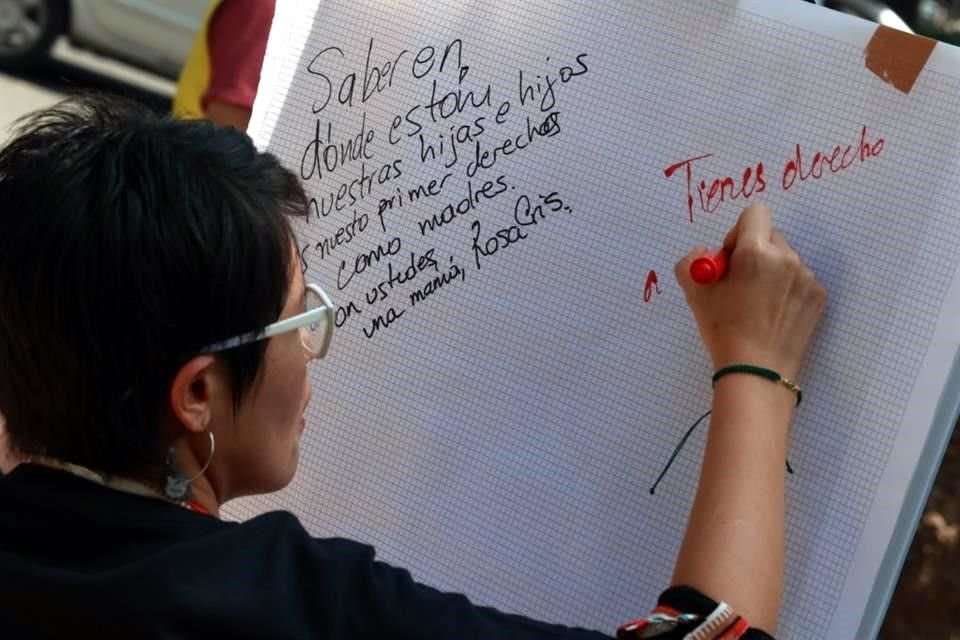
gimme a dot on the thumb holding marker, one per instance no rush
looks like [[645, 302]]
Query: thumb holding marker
[[763, 303]]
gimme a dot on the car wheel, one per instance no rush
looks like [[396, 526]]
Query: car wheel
[[28, 29]]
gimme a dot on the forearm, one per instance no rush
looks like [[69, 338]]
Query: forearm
[[733, 548]]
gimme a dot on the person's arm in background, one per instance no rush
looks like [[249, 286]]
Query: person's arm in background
[[228, 115], [762, 313], [237, 42]]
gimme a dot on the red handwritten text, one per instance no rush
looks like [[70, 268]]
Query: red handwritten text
[[720, 189], [837, 161], [710, 194], [652, 285]]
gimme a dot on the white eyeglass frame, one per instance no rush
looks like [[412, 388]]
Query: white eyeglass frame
[[289, 324]]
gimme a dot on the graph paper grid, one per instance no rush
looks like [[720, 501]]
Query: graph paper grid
[[498, 438]]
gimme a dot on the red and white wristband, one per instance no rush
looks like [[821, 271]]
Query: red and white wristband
[[684, 613]]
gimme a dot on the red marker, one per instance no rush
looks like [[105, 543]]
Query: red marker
[[710, 267]]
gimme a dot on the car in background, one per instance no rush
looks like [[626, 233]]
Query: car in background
[[152, 34]]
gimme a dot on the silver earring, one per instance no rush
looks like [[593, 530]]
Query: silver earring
[[177, 482]]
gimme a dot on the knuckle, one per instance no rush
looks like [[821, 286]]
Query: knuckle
[[753, 247], [821, 293], [792, 260], [816, 292]]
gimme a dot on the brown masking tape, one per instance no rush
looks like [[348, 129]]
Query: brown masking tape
[[898, 57]]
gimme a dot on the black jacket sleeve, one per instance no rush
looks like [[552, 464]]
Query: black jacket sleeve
[[390, 604]]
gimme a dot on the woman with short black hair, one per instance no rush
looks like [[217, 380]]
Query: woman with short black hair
[[155, 329]]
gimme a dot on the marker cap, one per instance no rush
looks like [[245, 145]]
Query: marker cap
[[709, 268]]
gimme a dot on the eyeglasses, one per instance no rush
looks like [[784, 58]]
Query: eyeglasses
[[315, 326]]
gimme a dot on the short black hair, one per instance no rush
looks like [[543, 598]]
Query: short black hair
[[129, 241]]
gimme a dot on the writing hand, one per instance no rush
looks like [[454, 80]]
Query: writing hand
[[764, 311]]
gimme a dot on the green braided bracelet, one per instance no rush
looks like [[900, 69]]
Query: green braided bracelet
[[769, 374]]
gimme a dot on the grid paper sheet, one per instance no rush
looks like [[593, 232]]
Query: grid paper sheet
[[515, 361]]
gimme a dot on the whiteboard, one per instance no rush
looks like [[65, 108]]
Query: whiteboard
[[514, 362]]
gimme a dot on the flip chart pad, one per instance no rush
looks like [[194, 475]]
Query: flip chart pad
[[500, 192]]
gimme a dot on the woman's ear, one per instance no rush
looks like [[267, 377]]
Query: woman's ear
[[193, 391]]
